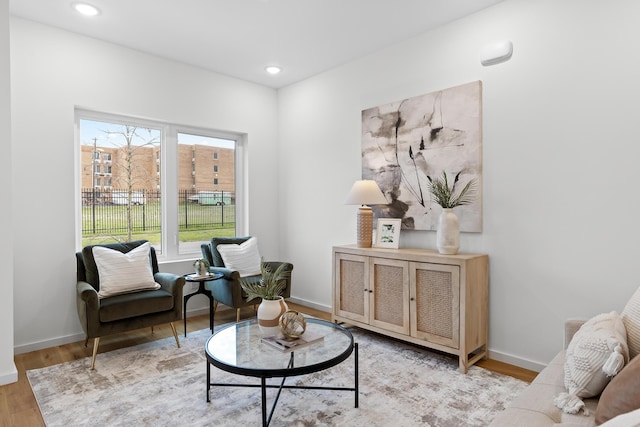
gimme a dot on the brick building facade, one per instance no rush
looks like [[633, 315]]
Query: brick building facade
[[200, 168]]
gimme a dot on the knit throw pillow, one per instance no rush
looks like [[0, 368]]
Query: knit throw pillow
[[596, 352], [631, 319]]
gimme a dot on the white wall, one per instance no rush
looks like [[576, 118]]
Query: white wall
[[561, 148], [560, 153], [54, 71], [8, 372]]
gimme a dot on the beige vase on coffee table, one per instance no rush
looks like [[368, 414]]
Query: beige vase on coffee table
[[269, 312]]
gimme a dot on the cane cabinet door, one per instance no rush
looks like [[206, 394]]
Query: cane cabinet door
[[435, 303]]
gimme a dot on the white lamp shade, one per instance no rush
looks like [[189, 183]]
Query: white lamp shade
[[365, 192]]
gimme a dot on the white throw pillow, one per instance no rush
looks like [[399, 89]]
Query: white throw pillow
[[631, 319], [243, 258], [596, 352], [123, 273]]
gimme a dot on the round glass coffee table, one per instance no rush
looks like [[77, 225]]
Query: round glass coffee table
[[238, 349]]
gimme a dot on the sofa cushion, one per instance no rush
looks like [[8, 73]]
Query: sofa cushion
[[244, 258], [631, 319], [622, 394], [534, 406], [124, 272], [599, 343], [135, 304]]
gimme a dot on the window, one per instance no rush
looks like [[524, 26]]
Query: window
[[143, 196], [203, 206], [215, 168]]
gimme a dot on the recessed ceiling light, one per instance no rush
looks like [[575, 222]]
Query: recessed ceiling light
[[273, 69], [86, 9]]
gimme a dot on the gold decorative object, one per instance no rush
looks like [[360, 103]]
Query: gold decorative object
[[292, 324]]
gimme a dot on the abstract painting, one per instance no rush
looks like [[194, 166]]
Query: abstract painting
[[406, 143]]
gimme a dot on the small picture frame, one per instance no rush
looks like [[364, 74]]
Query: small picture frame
[[388, 232]]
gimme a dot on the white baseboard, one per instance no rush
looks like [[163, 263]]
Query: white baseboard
[[516, 361], [54, 342], [310, 304], [9, 377]]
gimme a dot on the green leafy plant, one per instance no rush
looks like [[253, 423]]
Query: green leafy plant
[[197, 262], [271, 284], [446, 196]]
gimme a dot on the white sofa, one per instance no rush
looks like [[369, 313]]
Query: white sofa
[[534, 407], [617, 403]]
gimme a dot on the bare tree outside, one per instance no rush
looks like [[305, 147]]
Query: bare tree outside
[[120, 166], [135, 176]]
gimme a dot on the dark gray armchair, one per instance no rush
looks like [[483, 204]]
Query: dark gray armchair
[[124, 312], [228, 290]]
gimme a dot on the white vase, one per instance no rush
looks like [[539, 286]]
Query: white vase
[[201, 268], [448, 234], [269, 312]]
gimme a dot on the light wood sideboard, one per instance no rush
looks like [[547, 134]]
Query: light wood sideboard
[[415, 295]]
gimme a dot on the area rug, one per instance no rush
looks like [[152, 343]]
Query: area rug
[[157, 384]]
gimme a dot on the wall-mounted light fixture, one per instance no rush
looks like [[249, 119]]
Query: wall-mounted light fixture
[[496, 53]]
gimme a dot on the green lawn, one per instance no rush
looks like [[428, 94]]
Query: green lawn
[[196, 223]]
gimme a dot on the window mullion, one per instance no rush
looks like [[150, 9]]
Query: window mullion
[[170, 191]]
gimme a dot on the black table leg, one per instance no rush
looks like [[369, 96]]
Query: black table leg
[[355, 351], [201, 290], [211, 312], [184, 314], [208, 379], [263, 383]]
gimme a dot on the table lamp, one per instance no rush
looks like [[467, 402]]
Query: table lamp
[[365, 192]]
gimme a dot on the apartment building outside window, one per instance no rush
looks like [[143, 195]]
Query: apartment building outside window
[[195, 153], [129, 198]]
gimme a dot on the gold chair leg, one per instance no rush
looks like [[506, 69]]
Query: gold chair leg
[[237, 315], [96, 342], [175, 334], [86, 341], [215, 306], [152, 329]]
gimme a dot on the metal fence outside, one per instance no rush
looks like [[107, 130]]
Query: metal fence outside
[[105, 211]]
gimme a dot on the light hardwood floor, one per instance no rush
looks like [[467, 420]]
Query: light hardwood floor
[[18, 406]]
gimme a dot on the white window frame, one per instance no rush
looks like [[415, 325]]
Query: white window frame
[[169, 176]]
